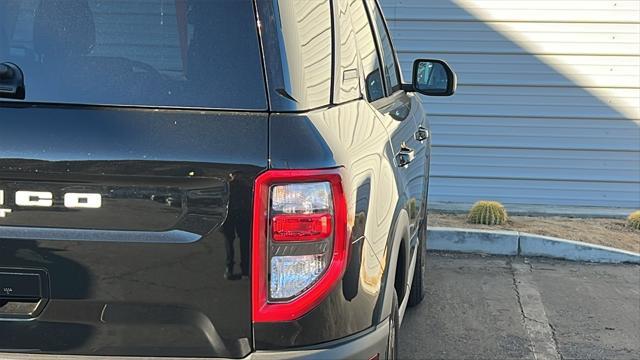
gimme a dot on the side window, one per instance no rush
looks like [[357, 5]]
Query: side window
[[306, 38], [347, 77], [368, 52], [391, 70]]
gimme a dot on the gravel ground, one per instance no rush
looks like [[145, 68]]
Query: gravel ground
[[607, 232]]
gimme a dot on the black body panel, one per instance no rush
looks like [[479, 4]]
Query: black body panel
[[142, 274], [349, 136], [387, 202]]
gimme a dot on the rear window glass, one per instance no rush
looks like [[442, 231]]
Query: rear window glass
[[174, 53]]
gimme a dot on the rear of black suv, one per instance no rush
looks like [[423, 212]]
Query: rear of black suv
[[208, 179], [137, 137]]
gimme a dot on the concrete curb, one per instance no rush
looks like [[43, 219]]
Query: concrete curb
[[515, 243], [473, 241]]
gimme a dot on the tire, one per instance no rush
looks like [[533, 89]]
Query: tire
[[418, 287], [394, 326]]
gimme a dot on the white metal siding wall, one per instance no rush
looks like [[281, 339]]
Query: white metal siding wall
[[548, 104]]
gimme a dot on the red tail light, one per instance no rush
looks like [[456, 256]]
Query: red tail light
[[300, 241], [301, 227]]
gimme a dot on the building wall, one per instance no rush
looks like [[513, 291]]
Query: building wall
[[548, 105]]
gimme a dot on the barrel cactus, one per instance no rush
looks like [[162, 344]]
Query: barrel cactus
[[634, 220], [487, 213]]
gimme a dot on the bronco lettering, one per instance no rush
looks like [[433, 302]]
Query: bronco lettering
[[45, 199]]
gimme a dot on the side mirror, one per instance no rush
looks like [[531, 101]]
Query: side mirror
[[433, 78], [11, 81]]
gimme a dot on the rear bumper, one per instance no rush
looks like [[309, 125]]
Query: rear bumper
[[362, 346]]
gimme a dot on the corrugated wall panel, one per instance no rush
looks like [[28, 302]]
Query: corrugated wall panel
[[566, 11], [535, 133], [548, 105], [516, 191], [532, 164]]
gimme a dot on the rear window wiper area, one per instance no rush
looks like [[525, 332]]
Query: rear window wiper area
[[11, 81]]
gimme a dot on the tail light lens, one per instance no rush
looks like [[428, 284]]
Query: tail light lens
[[299, 241], [307, 227]]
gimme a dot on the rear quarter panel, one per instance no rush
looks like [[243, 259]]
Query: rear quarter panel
[[348, 136]]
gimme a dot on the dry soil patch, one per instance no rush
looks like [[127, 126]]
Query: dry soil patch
[[607, 232]]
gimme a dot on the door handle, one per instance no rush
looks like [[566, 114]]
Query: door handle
[[404, 156], [422, 133]]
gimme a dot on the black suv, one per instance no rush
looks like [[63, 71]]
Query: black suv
[[209, 178]]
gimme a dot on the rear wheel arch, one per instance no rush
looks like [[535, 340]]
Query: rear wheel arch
[[400, 278], [398, 256]]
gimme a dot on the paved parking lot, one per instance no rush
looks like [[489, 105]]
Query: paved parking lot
[[489, 307]]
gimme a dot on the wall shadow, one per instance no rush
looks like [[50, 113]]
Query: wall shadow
[[519, 130]]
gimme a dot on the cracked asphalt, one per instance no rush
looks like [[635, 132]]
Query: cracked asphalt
[[492, 307]]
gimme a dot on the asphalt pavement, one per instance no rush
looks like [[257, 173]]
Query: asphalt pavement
[[494, 307]]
